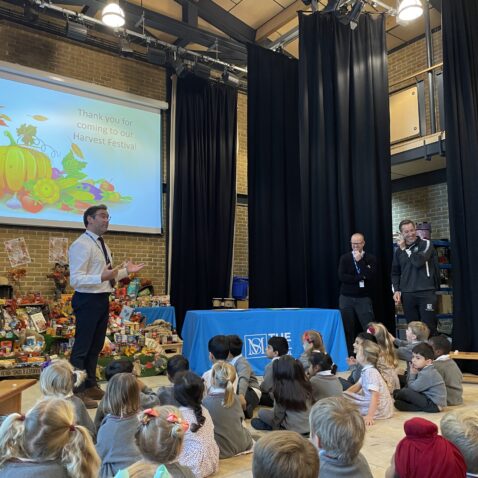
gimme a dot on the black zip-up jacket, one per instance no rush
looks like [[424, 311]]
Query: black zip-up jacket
[[350, 279], [416, 269]]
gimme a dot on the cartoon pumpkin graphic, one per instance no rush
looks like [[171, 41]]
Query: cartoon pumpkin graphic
[[19, 164]]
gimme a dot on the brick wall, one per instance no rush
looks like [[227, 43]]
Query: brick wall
[[49, 53], [411, 59], [426, 204], [241, 254]]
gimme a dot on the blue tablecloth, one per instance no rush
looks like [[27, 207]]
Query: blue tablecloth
[[255, 326], [154, 313]]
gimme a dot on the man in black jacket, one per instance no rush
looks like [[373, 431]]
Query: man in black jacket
[[357, 271], [415, 276]]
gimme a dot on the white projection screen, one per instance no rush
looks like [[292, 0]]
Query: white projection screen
[[66, 145]]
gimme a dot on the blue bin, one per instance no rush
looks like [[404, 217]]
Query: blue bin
[[240, 286]]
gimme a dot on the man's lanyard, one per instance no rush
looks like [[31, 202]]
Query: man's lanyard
[[104, 251], [357, 268]]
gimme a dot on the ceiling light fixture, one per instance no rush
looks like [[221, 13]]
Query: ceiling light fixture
[[113, 15], [409, 10]]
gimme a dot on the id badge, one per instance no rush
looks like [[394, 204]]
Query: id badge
[[362, 284]]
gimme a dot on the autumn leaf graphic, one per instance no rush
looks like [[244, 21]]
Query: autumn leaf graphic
[[27, 132]]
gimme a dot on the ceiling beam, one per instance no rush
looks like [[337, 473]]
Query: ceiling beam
[[223, 20], [190, 16], [436, 4], [279, 20]]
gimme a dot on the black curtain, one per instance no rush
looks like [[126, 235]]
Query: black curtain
[[344, 151], [460, 53], [276, 254], [204, 194]]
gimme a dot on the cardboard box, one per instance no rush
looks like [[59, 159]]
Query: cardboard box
[[445, 304], [242, 304]]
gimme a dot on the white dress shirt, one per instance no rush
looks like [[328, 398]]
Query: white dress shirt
[[87, 263]]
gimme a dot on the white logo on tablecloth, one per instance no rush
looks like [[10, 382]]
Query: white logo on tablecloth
[[256, 344]]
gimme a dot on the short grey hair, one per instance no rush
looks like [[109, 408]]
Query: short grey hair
[[461, 428], [339, 427]]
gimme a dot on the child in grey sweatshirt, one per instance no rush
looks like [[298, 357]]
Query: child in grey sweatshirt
[[425, 391], [448, 369]]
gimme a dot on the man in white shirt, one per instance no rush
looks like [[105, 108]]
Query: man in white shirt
[[92, 276]]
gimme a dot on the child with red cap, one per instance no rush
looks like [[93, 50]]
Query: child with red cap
[[423, 453]]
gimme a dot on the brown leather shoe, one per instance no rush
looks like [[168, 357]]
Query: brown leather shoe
[[94, 393], [89, 402]]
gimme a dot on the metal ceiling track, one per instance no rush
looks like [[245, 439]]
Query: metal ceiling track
[[134, 14]]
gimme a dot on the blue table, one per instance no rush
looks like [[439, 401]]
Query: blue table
[[154, 313], [255, 326]]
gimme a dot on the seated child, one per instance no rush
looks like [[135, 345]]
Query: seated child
[[339, 431], [461, 428], [322, 376], [311, 342], [354, 367], [147, 398], [423, 453], [387, 362], [47, 443], [248, 388], [425, 390], [177, 363], [115, 442], [218, 347], [284, 454], [276, 347], [370, 393], [226, 412], [200, 451], [58, 380], [159, 438], [448, 369], [292, 398], [417, 332]]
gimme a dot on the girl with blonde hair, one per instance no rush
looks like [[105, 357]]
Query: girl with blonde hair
[[115, 443], [46, 442], [58, 380], [370, 393], [312, 341], [387, 361], [159, 438], [226, 412]]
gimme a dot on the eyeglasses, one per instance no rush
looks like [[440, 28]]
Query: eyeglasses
[[356, 243], [104, 216]]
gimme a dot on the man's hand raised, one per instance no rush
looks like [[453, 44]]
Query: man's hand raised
[[132, 268]]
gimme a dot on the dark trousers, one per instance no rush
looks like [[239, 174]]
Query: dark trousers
[[353, 309], [252, 401], [91, 311], [407, 400], [421, 306]]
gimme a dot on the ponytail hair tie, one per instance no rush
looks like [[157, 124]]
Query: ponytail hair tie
[[72, 427], [148, 415], [371, 330], [173, 418]]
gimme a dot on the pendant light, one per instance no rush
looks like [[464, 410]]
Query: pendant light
[[409, 10], [113, 15]]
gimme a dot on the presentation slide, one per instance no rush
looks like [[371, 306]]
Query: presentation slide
[[63, 149]]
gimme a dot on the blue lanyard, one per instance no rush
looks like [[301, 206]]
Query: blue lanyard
[[357, 268]]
